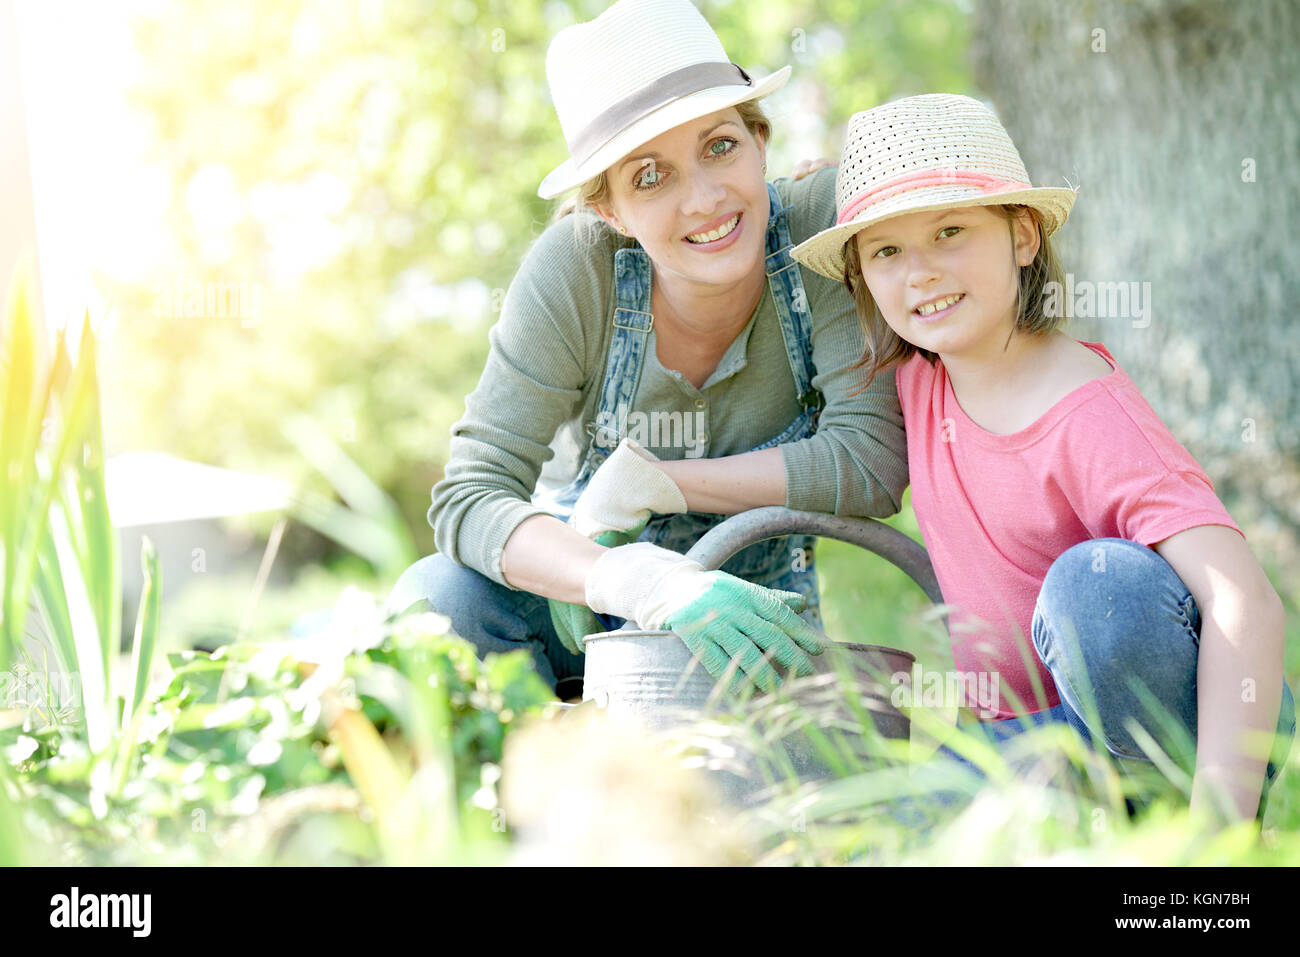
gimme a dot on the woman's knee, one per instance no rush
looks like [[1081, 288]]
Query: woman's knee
[[442, 585]]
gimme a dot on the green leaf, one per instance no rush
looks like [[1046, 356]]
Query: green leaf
[[146, 627], [19, 429]]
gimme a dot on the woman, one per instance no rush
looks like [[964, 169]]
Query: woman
[[665, 310]]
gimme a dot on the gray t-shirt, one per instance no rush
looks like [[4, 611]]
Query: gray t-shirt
[[524, 422]]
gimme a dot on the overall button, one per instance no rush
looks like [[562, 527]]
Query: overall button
[[701, 403]]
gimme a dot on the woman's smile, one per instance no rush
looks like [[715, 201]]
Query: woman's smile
[[716, 234]]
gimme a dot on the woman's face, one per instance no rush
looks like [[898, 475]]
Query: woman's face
[[696, 200], [946, 281]]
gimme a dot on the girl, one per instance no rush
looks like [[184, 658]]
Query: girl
[[1053, 501]]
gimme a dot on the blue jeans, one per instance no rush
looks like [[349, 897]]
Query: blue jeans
[[1134, 619], [494, 618], [491, 617]]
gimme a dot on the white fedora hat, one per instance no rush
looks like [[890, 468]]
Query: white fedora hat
[[639, 69], [923, 153]]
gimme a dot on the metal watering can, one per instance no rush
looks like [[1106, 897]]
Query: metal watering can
[[650, 678]]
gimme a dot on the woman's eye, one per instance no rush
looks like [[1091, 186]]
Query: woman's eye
[[949, 231], [649, 177], [727, 144]]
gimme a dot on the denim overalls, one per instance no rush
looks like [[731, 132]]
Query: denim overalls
[[786, 562]]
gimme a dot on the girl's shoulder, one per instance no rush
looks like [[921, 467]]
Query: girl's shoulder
[[916, 370], [1084, 361], [1108, 414], [915, 378], [1071, 366]]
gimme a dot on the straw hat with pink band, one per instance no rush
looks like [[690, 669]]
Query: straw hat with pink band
[[922, 153]]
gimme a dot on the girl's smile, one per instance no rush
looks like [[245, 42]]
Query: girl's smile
[[932, 310]]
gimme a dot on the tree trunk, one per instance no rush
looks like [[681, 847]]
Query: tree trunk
[[1177, 120]]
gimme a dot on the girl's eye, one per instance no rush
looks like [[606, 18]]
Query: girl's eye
[[949, 231], [884, 252], [727, 143]]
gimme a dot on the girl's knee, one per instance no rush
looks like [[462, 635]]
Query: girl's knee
[[1121, 603], [1103, 577]]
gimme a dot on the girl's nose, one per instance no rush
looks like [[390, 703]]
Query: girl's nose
[[921, 267]]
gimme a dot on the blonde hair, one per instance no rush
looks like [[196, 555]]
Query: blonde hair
[[595, 191], [884, 347]]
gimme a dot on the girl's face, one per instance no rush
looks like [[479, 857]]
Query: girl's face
[[696, 200], [946, 281]]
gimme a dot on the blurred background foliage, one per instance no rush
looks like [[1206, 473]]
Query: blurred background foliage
[[372, 169], [369, 169]]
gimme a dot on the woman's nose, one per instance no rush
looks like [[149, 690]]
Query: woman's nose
[[703, 194]]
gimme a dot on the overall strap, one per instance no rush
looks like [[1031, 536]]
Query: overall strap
[[632, 325], [785, 280]]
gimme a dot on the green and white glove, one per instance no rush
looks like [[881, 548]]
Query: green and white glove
[[719, 616], [613, 510], [574, 622]]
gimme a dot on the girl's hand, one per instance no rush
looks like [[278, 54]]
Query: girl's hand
[[810, 166]]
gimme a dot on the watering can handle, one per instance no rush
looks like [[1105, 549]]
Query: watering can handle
[[759, 524]]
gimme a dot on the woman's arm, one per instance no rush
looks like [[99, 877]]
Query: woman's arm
[[548, 558], [1239, 670], [856, 463], [731, 484], [542, 352]]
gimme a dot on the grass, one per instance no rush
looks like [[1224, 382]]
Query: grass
[[866, 599], [388, 748]]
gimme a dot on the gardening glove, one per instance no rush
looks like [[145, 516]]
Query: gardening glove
[[625, 491], [573, 622], [613, 510], [719, 616]]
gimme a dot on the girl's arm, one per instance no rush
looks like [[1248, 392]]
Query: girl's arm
[[1239, 669]]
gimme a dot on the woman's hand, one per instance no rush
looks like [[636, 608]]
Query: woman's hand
[[625, 492], [612, 510], [805, 167], [720, 617]]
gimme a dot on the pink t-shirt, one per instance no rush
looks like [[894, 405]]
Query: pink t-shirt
[[997, 510]]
